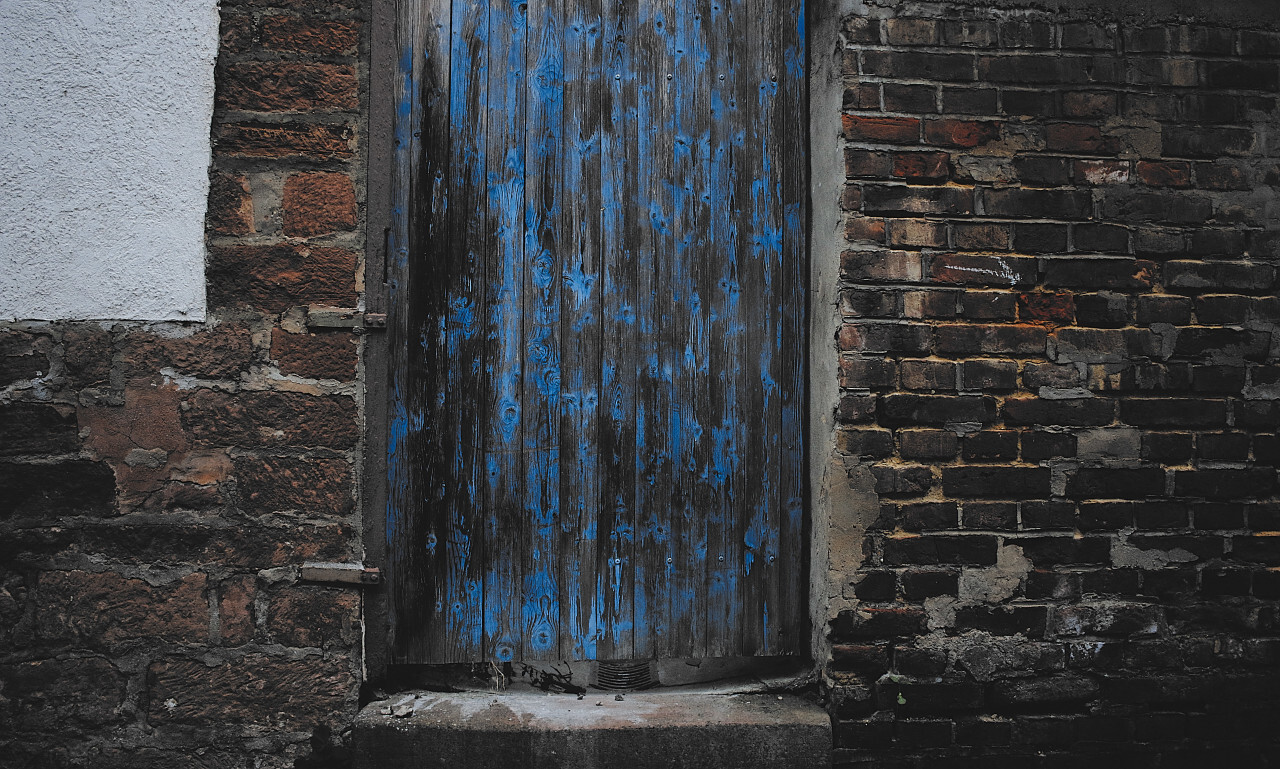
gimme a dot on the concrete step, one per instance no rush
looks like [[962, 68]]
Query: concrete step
[[533, 730]]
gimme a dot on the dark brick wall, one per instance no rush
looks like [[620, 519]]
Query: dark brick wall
[[160, 483], [1061, 364]]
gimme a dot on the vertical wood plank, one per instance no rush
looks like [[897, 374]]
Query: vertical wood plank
[[504, 333], [541, 414], [766, 239], [417, 465], [687, 340], [580, 333], [463, 540], [722, 289], [793, 108], [751, 356], [615, 560], [407, 590], [655, 555]]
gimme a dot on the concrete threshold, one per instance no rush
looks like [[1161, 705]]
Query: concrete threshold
[[533, 730]]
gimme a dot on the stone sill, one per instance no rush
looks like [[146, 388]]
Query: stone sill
[[671, 729]]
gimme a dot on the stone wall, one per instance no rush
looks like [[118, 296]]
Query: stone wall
[[161, 483], [1059, 371]]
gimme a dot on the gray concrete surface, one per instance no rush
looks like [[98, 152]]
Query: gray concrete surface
[[533, 730]]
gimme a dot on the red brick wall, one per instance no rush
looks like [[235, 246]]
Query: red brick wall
[[159, 484], [1059, 360]]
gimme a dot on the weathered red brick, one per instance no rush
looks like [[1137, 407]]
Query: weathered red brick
[[230, 205], [885, 337], [916, 233], [918, 65], [860, 29], [1166, 174], [991, 339], [864, 229], [1102, 171], [1221, 176], [901, 409], [878, 623], [862, 96], [851, 198], [256, 689], [148, 420], [287, 87], [313, 616], [318, 203], [282, 140], [1071, 137], [988, 305], [203, 467], [62, 692], [960, 133], [235, 34], [1099, 273], [276, 277], [978, 270], [218, 352], [267, 418], [23, 355], [108, 608], [309, 486], [928, 375], [880, 266], [899, 130], [1044, 307], [1034, 203], [983, 236], [327, 355], [921, 166], [235, 610], [911, 31], [1089, 104], [52, 490], [860, 162], [183, 496], [86, 354], [902, 199], [1197, 141], [36, 428], [900, 97], [286, 32]]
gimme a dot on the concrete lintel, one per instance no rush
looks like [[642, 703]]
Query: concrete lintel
[[483, 730]]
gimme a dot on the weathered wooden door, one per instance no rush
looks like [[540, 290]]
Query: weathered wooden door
[[598, 330]]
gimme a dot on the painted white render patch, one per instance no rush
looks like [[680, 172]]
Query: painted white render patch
[[105, 108]]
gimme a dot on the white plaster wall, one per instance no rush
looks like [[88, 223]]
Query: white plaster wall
[[105, 108]]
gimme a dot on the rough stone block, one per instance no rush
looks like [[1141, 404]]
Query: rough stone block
[[106, 608], [254, 690], [308, 486], [37, 428]]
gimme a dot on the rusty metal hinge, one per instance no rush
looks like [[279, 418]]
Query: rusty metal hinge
[[341, 317], [342, 573]]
